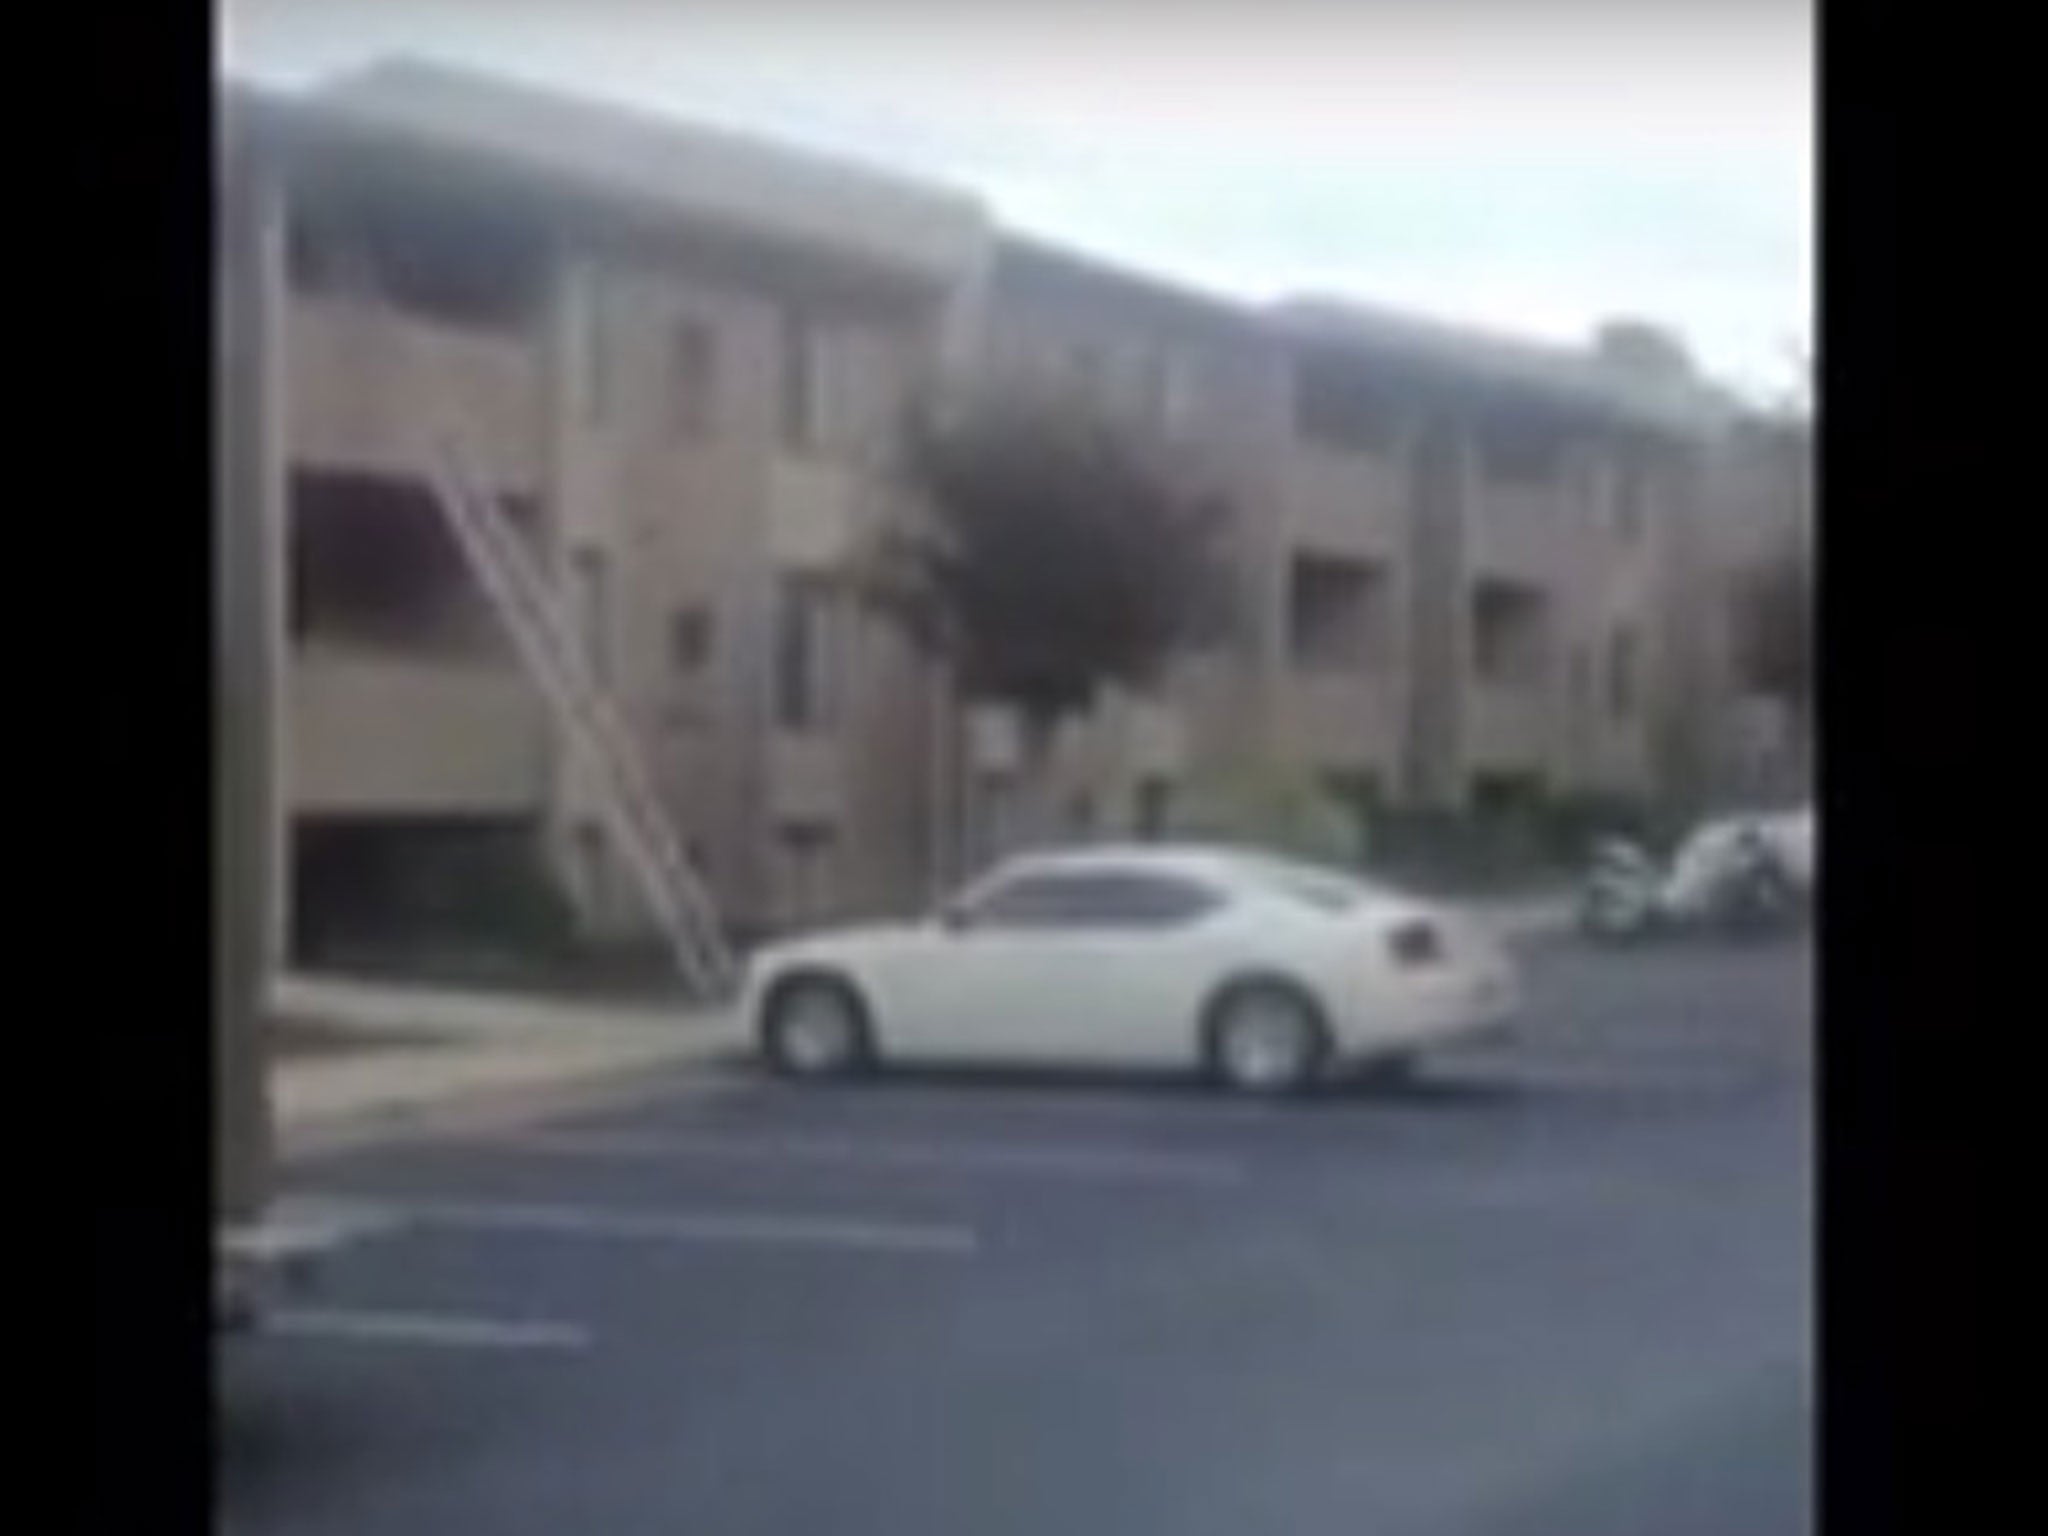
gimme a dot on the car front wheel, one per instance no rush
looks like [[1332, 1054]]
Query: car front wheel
[[814, 1026], [1266, 1038]]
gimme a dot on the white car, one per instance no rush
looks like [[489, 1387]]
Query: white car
[[1263, 972]]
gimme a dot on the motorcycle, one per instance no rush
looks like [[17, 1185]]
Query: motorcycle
[[1728, 880], [1622, 897]]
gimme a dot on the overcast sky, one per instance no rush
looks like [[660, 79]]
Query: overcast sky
[[1535, 166]]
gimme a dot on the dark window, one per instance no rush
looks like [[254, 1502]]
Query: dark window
[[1336, 613], [693, 379], [426, 254], [1622, 681], [593, 602], [1521, 452], [689, 639], [802, 701], [1341, 405], [1112, 899], [1154, 806], [1509, 634], [373, 564], [799, 382], [1631, 487]]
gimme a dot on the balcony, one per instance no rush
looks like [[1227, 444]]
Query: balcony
[[369, 388], [374, 733], [1344, 503], [1524, 531]]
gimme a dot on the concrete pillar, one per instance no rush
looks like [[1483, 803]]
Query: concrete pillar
[[251, 815]]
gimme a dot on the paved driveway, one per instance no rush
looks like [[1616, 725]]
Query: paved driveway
[[1561, 1286]]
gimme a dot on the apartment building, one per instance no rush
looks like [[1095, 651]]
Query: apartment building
[[1455, 557], [1532, 501], [678, 359]]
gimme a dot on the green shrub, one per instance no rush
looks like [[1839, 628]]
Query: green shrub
[[1288, 813]]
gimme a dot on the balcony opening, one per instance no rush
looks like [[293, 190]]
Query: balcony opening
[[1510, 634], [373, 566], [1152, 807], [420, 894], [1522, 447], [1623, 663], [1340, 404], [439, 256], [1337, 619], [805, 695]]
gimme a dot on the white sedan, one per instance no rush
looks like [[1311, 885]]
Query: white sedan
[[1265, 973]]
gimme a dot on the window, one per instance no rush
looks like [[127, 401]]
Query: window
[[689, 639], [692, 380], [372, 564], [1630, 488], [1087, 371], [1336, 613], [1509, 634], [1518, 450], [427, 257], [1622, 682], [801, 382], [1339, 405], [1154, 806], [802, 701], [1109, 899], [592, 575]]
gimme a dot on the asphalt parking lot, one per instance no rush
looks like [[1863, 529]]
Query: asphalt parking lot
[[1561, 1285]]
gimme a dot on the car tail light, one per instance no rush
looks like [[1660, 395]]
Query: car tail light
[[1416, 942]]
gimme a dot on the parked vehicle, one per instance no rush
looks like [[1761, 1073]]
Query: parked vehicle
[[1265, 973], [1735, 876], [1621, 897]]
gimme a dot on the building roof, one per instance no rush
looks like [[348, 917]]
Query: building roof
[[701, 180], [1572, 378], [665, 171], [1033, 257]]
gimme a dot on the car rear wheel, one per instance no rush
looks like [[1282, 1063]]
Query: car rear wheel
[[814, 1026], [1266, 1038]]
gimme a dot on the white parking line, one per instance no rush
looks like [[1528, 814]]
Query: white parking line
[[424, 1328], [773, 1229], [962, 1156]]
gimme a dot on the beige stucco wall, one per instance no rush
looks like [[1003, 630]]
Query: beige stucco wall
[[401, 734], [370, 390]]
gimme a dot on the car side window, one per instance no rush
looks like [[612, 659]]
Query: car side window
[[1095, 899]]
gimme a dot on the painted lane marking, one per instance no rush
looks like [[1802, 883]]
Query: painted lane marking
[[437, 1330], [767, 1229], [951, 1156]]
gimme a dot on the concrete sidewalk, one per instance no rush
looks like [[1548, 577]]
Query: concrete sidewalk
[[428, 1061]]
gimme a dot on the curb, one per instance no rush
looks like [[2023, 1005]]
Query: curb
[[485, 1108]]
